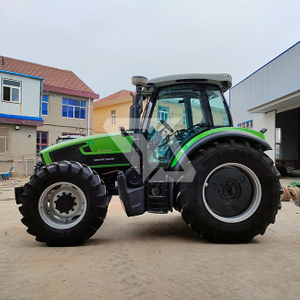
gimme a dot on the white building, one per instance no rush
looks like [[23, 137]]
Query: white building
[[270, 98], [37, 104], [20, 114]]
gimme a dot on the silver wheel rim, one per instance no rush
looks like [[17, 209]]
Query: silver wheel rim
[[62, 205], [255, 200]]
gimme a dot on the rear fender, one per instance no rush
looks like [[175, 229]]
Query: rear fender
[[191, 147]]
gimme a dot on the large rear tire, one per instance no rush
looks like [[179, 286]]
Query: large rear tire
[[234, 195], [64, 204]]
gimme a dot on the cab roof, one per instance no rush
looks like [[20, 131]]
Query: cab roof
[[223, 80]]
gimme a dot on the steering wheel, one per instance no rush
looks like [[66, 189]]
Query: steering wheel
[[166, 125]]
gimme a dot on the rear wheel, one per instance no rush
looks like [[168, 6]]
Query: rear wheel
[[234, 195], [64, 204]]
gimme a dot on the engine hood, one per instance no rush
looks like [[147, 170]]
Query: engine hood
[[88, 149]]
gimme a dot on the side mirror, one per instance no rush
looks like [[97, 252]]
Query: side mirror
[[263, 130]]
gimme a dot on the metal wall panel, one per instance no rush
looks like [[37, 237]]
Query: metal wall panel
[[276, 79]]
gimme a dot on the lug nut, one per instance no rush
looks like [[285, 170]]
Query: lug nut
[[241, 179]]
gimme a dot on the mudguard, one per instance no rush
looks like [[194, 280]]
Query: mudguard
[[239, 134]]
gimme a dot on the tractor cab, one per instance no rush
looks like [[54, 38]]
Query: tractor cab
[[179, 108], [179, 113]]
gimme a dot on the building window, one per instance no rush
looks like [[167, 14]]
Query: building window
[[11, 90], [3, 141], [41, 140], [163, 113], [113, 117], [45, 105], [247, 124], [73, 109]]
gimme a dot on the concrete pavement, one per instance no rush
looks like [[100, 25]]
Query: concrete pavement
[[148, 257]]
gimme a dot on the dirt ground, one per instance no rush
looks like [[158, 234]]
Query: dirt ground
[[148, 257]]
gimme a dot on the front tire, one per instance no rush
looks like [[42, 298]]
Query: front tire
[[38, 166], [234, 195], [64, 204]]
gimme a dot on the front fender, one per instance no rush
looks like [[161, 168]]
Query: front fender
[[198, 142]]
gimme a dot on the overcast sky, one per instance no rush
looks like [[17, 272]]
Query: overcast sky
[[106, 42]]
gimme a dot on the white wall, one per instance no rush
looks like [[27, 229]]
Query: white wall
[[276, 79], [267, 120], [21, 150], [30, 97]]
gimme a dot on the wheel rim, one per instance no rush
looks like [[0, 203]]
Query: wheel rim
[[62, 205], [231, 192]]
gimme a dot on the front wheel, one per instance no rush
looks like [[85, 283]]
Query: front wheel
[[38, 166], [64, 204], [234, 195]]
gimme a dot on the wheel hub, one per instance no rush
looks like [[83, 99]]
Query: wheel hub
[[62, 205], [229, 192], [65, 203]]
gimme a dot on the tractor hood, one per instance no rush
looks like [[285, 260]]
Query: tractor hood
[[95, 150]]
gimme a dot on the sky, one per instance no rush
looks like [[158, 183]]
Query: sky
[[105, 43]]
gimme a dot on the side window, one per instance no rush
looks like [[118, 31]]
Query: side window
[[218, 109], [45, 104], [11, 90], [184, 118], [41, 140], [3, 141], [197, 112]]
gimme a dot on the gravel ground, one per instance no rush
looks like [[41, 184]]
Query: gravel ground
[[148, 257]]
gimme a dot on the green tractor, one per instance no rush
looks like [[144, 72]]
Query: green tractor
[[180, 152]]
